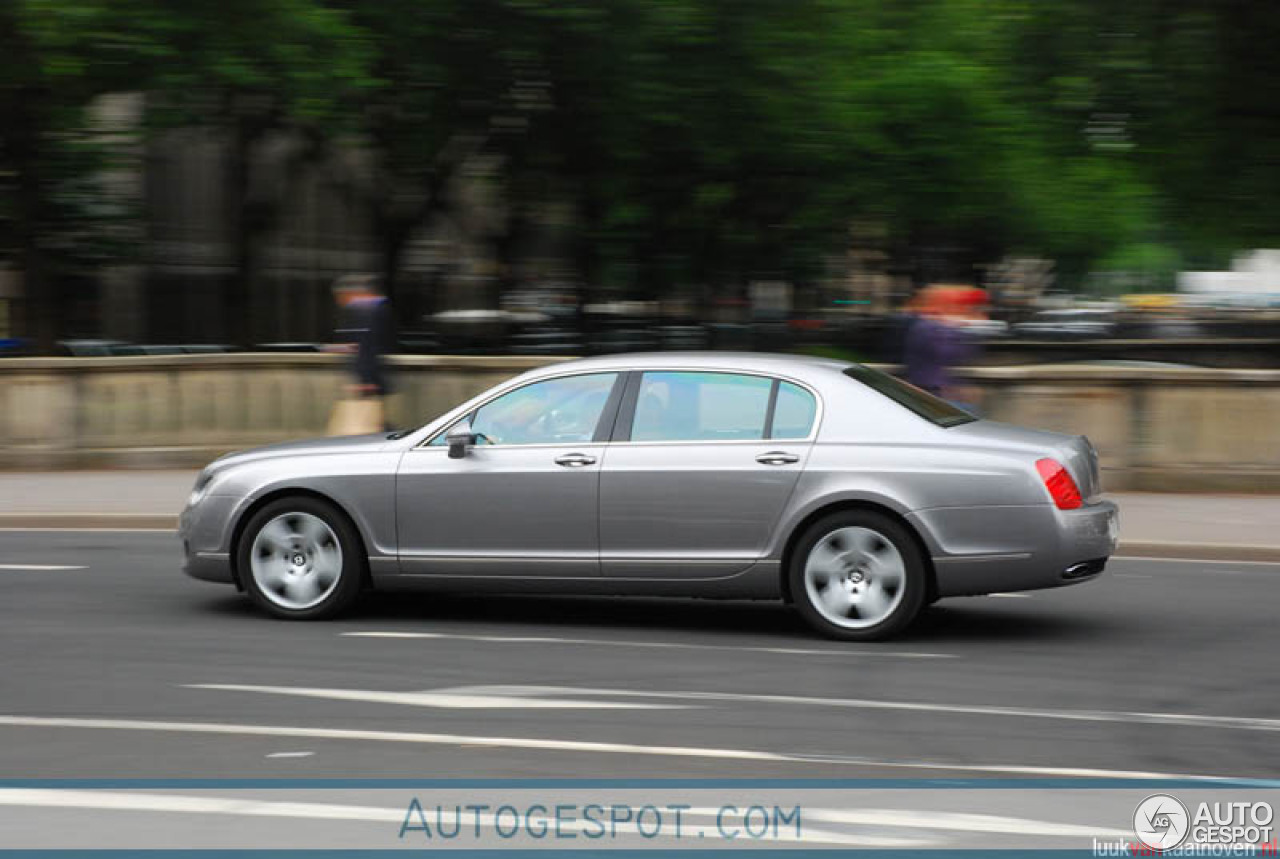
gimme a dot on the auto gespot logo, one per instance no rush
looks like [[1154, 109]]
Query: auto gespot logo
[[1162, 823]]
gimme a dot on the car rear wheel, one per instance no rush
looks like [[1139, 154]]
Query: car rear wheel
[[858, 575], [299, 558]]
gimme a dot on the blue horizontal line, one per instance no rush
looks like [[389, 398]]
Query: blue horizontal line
[[714, 853], [321, 783]]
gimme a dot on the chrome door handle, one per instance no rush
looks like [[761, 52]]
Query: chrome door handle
[[575, 460], [777, 457]]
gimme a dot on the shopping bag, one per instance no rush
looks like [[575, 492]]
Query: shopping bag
[[357, 416]]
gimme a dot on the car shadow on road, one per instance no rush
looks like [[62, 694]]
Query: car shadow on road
[[975, 619], [980, 619], [561, 615], [964, 620]]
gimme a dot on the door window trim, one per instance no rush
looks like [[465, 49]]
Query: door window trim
[[626, 413], [767, 433], [779, 381]]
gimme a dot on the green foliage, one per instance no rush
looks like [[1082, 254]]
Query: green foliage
[[703, 141]]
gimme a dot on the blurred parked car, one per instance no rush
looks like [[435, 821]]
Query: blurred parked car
[[289, 347], [91, 348], [135, 349], [548, 340], [478, 330], [121, 348], [683, 337], [624, 339], [1066, 324], [419, 343], [983, 329]]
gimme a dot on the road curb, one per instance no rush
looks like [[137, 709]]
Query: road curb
[[1174, 551], [90, 521]]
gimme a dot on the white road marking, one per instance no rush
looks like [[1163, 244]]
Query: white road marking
[[536, 744], [39, 567], [1186, 720], [115, 801], [444, 698], [290, 754], [961, 822], [576, 697], [1011, 596], [604, 642], [243, 806]]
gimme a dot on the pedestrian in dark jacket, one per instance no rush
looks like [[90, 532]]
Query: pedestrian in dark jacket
[[367, 332], [368, 329]]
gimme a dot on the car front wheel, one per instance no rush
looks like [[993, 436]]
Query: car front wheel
[[300, 559], [858, 575]]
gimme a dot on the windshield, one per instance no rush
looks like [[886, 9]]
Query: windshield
[[933, 409]]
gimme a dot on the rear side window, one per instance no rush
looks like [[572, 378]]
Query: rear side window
[[933, 409], [683, 406], [794, 412]]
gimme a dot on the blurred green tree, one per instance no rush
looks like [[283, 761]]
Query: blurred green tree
[[246, 68], [55, 60], [696, 142], [256, 73]]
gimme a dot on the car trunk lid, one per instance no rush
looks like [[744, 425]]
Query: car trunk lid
[[1075, 452]]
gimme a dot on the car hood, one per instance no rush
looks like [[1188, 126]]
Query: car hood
[[304, 447]]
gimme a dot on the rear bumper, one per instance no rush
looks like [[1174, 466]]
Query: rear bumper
[[1088, 533], [981, 551]]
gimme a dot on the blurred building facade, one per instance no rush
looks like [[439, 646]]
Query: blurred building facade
[[308, 218], [296, 218], [1254, 279]]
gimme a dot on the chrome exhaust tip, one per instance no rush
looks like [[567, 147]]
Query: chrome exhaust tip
[[1084, 569]]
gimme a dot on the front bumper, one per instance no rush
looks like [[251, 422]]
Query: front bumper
[[202, 528], [208, 567]]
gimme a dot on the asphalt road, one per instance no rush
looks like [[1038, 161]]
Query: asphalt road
[[116, 665]]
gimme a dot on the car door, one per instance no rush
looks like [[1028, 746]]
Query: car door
[[701, 466], [524, 500]]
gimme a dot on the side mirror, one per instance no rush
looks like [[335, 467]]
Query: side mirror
[[460, 438]]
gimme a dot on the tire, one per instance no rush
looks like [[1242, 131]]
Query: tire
[[858, 575], [299, 558]]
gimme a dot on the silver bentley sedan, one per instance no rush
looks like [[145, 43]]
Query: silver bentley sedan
[[851, 495]]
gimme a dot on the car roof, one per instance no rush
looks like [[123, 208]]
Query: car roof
[[755, 362]]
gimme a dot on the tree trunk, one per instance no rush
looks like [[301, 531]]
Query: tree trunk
[[396, 238], [587, 259], [238, 288], [396, 230], [39, 318]]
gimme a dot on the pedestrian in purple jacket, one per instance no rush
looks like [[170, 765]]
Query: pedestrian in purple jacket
[[933, 347]]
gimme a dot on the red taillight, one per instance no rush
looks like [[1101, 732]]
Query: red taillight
[[1058, 481]]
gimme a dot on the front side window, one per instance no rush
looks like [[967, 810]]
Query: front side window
[[557, 411], [684, 406]]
